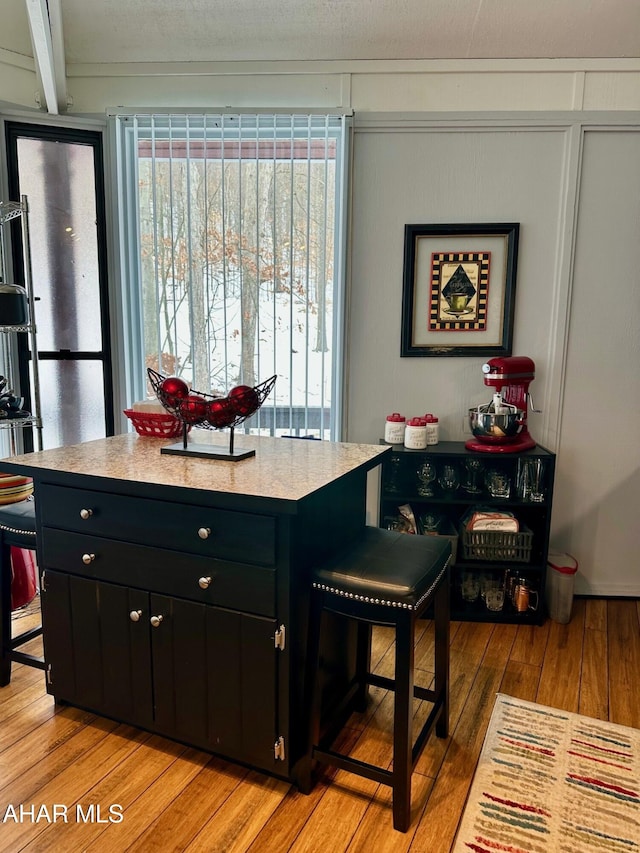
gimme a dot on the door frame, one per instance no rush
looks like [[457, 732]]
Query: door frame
[[15, 130]]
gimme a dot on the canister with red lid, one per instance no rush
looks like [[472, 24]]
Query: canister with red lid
[[432, 428], [415, 434], [394, 428]]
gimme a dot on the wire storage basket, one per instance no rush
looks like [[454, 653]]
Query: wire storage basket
[[497, 545], [234, 416], [155, 424]]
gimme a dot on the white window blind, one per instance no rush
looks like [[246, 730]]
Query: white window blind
[[234, 265]]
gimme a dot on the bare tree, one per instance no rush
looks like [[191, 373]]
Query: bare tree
[[212, 236]]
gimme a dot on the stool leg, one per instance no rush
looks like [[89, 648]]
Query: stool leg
[[5, 612], [363, 662], [441, 687], [403, 723]]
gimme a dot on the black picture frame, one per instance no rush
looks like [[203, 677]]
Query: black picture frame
[[458, 295]]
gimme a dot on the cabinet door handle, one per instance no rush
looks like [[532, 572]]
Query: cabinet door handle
[[204, 583], [87, 559], [204, 532], [135, 615], [86, 513], [156, 620]]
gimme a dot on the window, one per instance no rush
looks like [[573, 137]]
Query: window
[[234, 245]]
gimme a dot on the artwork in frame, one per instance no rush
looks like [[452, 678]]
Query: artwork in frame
[[459, 289]]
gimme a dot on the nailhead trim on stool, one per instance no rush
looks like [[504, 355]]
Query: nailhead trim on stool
[[383, 602], [383, 578]]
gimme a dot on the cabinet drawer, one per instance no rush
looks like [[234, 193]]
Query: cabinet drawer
[[238, 587], [224, 534]]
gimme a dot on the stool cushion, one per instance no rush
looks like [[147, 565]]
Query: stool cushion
[[386, 568], [19, 516]]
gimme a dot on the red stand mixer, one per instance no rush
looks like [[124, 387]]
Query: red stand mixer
[[501, 426]]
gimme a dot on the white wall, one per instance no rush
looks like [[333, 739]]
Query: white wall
[[597, 497], [360, 85], [577, 304], [426, 175], [433, 144]]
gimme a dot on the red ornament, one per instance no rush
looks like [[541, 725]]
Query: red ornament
[[244, 399], [173, 388], [220, 412], [193, 408]]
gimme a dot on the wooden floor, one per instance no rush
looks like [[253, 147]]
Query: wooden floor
[[171, 798]]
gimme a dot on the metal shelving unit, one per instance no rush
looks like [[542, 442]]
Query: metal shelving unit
[[10, 210]]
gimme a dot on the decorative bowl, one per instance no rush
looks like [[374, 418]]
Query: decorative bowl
[[495, 429]]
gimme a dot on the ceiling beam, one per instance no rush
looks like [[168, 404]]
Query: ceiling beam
[[45, 24]]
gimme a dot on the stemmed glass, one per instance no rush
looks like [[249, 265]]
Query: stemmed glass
[[393, 475], [426, 474], [474, 468]]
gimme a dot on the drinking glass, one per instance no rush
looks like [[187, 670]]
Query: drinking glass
[[470, 586], [536, 468], [426, 474], [430, 522], [488, 582], [474, 469], [498, 483], [523, 479], [449, 478], [530, 480], [494, 598]]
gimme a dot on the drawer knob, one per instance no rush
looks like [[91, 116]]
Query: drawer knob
[[87, 559], [156, 620], [204, 583], [86, 513], [204, 532], [135, 615]]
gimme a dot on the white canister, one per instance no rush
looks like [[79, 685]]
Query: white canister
[[433, 429], [394, 428], [415, 434]]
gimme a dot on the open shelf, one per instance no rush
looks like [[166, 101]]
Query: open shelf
[[400, 488]]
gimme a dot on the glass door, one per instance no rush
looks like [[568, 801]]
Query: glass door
[[61, 173]]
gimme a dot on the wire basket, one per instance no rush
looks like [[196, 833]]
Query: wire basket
[[155, 424], [259, 395], [497, 545]]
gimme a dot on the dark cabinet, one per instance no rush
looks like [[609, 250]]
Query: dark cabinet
[[173, 666], [442, 494], [179, 643]]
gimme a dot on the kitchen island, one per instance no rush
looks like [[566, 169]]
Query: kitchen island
[[174, 589]]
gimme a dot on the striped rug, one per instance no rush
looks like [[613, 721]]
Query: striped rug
[[553, 782]]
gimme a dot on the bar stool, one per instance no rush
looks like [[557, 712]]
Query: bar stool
[[17, 529], [384, 578]]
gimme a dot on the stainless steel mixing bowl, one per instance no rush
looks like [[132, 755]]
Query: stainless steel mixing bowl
[[493, 429]]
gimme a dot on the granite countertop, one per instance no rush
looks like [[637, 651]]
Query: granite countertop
[[284, 469]]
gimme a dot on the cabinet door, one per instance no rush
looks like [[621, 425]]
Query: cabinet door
[[201, 674], [215, 677], [100, 657]]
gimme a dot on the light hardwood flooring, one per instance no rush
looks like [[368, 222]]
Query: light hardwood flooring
[[173, 798]]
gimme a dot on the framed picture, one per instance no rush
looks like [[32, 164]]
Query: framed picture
[[458, 295]]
